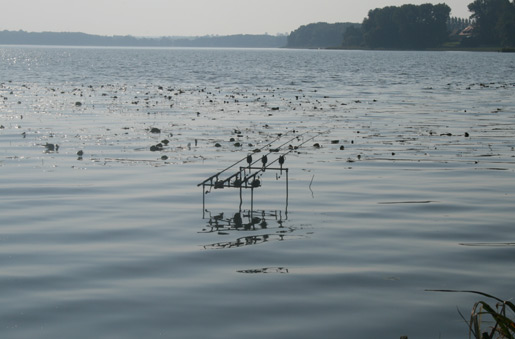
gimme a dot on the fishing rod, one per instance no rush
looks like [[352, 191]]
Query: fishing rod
[[246, 157], [280, 159], [294, 149], [264, 159], [246, 179]]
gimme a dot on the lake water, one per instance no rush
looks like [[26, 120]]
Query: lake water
[[412, 188]]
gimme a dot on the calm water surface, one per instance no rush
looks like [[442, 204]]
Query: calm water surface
[[412, 188]]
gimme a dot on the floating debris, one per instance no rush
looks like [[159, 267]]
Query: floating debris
[[265, 270], [51, 147], [155, 148]]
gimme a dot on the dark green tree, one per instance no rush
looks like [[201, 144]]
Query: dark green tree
[[406, 27], [494, 22], [506, 26], [379, 30], [486, 13], [353, 37], [318, 35], [457, 24]]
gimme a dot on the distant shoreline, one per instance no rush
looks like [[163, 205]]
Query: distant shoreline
[[78, 39], [68, 39], [438, 49], [469, 49]]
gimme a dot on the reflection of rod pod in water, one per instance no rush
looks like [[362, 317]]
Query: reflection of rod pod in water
[[247, 221]]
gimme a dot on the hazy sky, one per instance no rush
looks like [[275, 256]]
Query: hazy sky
[[190, 17]]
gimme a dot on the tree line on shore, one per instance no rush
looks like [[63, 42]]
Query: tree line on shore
[[491, 24], [83, 39]]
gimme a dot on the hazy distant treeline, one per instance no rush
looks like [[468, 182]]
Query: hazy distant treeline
[[319, 35], [82, 39]]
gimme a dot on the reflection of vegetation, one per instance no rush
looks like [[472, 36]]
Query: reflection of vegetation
[[500, 318]]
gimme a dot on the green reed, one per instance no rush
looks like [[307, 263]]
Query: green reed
[[500, 319]]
